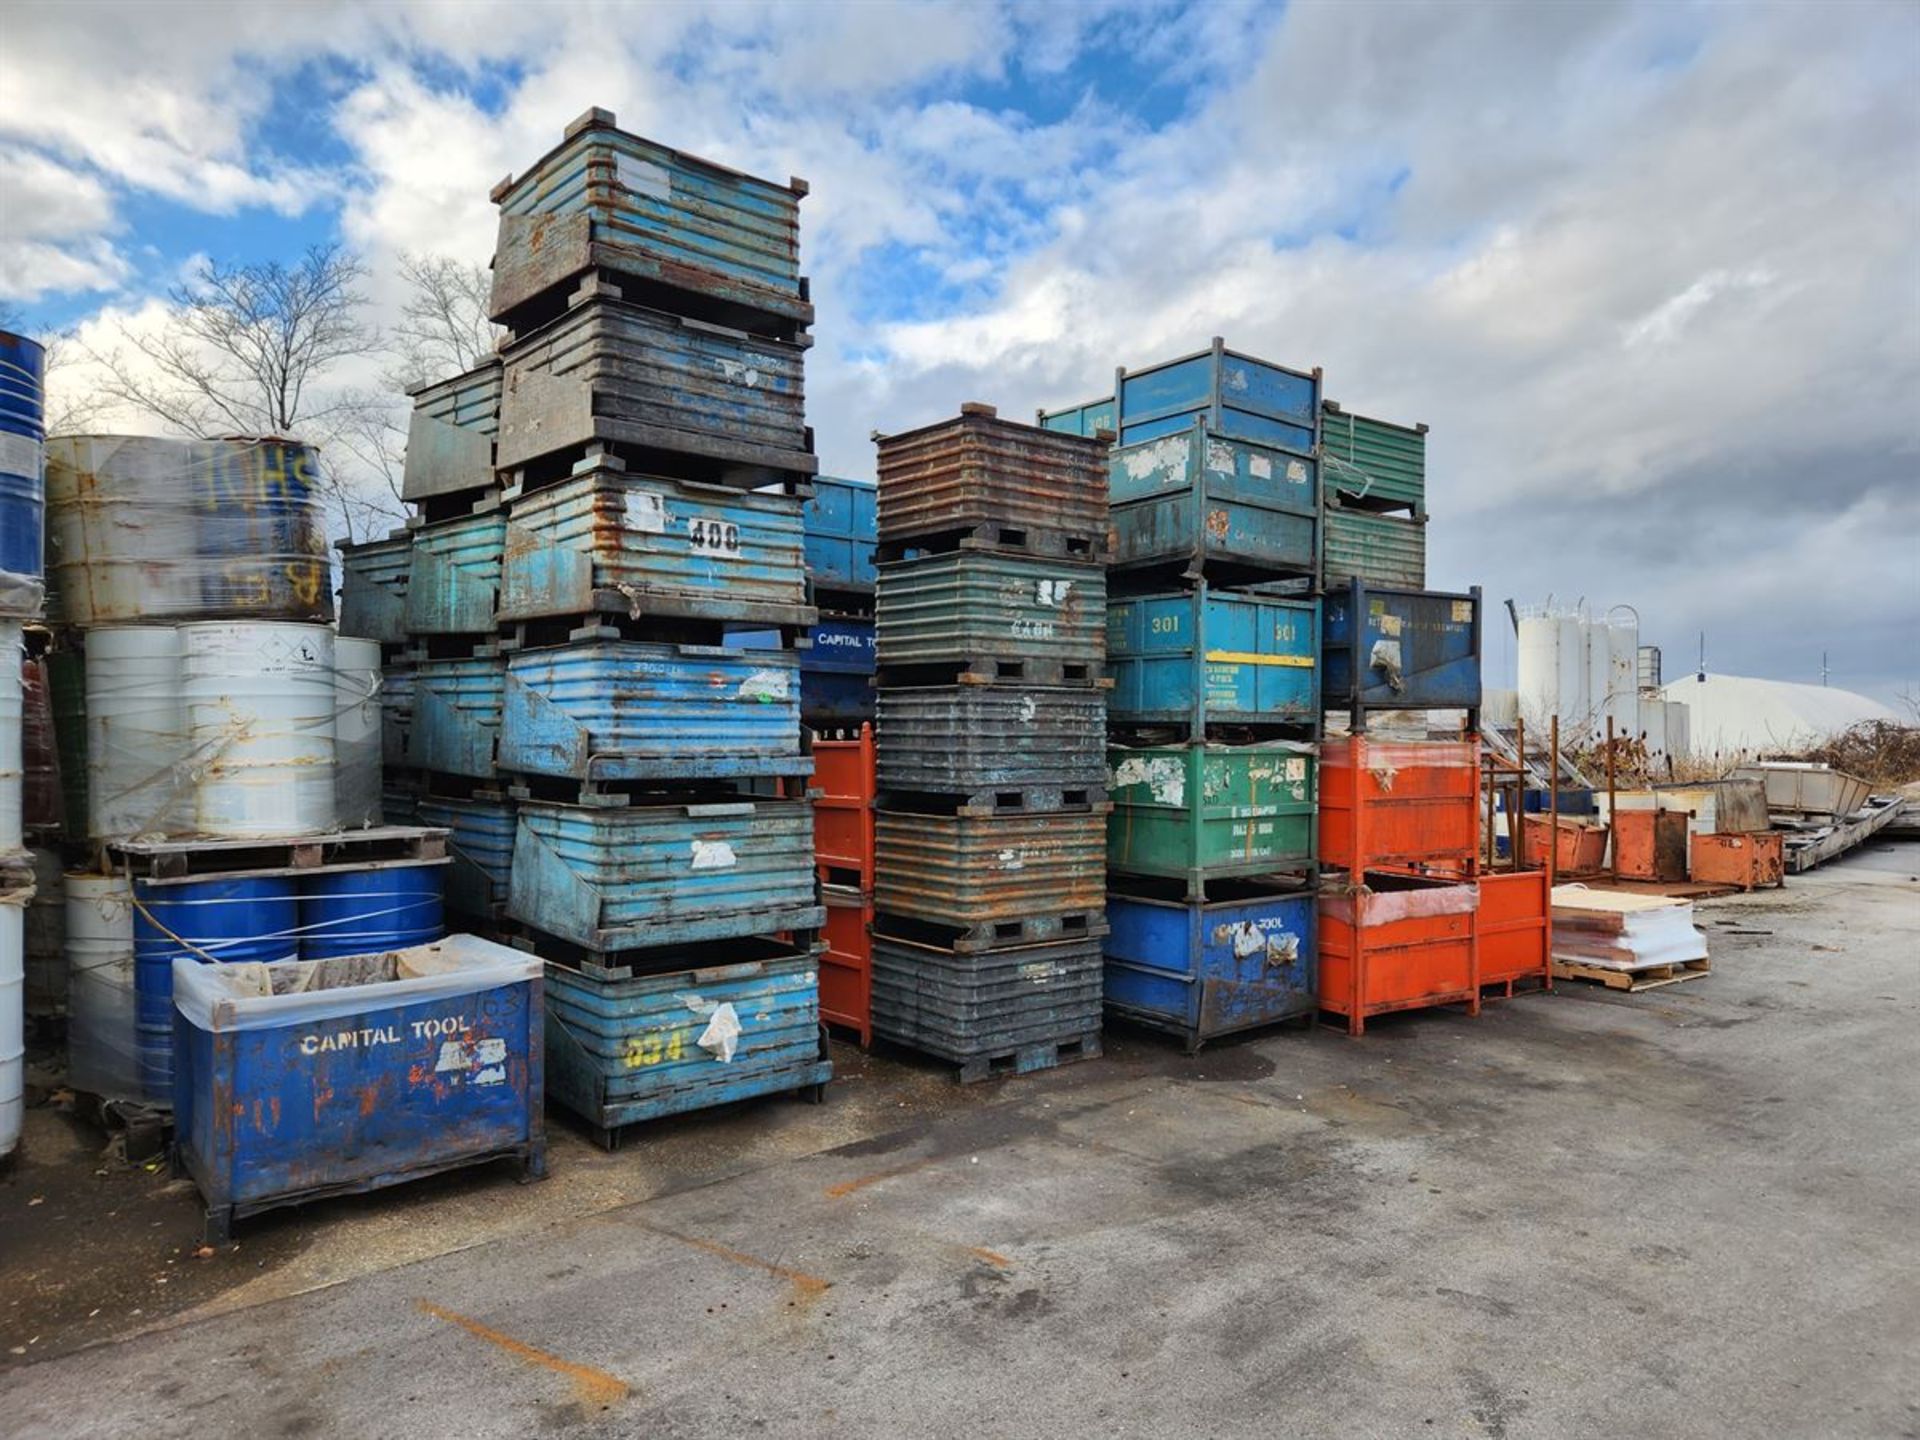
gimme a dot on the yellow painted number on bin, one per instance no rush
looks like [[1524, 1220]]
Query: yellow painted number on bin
[[644, 1050]]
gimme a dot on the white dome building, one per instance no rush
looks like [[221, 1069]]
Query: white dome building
[[1730, 715]]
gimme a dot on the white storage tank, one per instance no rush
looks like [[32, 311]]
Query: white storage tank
[[1553, 668]]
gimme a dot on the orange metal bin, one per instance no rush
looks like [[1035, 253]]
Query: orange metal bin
[[1579, 848], [843, 787], [1399, 943], [846, 970], [1400, 804], [1650, 844], [1515, 928], [1753, 862]]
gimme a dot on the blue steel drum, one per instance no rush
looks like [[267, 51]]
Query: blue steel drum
[[225, 921], [261, 534], [22, 475], [363, 912]]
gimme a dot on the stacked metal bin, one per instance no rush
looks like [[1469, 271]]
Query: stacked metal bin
[[1213, 640], [989, 836], [653, 462], [1376, 499], [1400, 815]]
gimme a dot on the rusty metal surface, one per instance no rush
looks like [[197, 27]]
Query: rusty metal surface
[[1219, 504], [959, 608], [609, 541], [450, 434], [991, 1003], [373, 588], [453, 587], [606, 198], [966, 871], [979, 470], [610, 371], [957, 739]]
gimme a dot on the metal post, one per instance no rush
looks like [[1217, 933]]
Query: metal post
[[1553, 801], [1552, 863], [1613, 814], [1517, 822]]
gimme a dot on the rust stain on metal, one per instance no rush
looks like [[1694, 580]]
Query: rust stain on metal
[[808, 1285], [591, 1386], [990, 1257], [978, 469]]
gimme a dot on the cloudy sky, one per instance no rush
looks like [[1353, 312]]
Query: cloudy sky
[[1650, 272]]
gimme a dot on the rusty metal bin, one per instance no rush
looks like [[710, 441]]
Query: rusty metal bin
[[1752, 861]]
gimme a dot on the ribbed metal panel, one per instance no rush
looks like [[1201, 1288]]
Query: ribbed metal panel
[[612, 371], [1379, 549], [1212, 656], [611, 541], [1374, 460], [480, 840], [456, 715], [1209, 498], [966, 871], [956, 739], [606, 198], [953, 609], [1087, 419], [619, 1051], [373, 589], [650, 875], [454, 585], [989, 1003], [978, 470], [1198, 811], [1227, 391], [614, 710], [840, 532], [450, 435], [396, 712]]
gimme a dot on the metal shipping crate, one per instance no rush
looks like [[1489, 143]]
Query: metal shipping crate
[[1196, 812], [1392, 649], [480, 841], [725, 405], [456, 715], [626, 710], [1221, 389], [998, 1003], [1375, 462], [1201, 969], [616, 543], [971, 739], [996, 480], [841, 529], [621, 1050], [454, 585], [1211, 500], [1386, 550], [1003, 878], [1001, 617], [606, 199], [378, 1069], [1400, 804], [643, 876], [450, 435], [373, 588], [1398, 943], [1207, 657]]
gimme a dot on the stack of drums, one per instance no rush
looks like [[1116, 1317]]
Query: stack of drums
[[22, 594]]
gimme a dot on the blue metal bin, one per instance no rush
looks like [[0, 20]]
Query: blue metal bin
[[1224, 390], [840, 533], [627, 1047], [1388, 649], [1213, 501], [1209, 968], [377, 1069], [1207, 657]]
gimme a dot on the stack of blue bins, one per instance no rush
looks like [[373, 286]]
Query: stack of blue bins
[[1213, 643], [655, 471]]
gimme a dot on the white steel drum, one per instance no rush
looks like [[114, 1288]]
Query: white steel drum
[[356, 731], [137, 783], [259, 701], [102, 1050]]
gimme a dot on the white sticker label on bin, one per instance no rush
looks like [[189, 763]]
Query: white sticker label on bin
[[19, 454], [647, 513], [643, 177], [483, 1061], [713, 855]]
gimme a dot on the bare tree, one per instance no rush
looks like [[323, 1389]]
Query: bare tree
[[443, 327], [246, 348]]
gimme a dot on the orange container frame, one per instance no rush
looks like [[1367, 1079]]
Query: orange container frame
[[1515, 928], [1410, 805], [1650, 844], [1400, 942], [846, 970], [843, 789], [1755, 861], [1579, 848]]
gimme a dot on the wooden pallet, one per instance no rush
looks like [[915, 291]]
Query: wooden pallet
[[1645, 977], [380, 847]]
